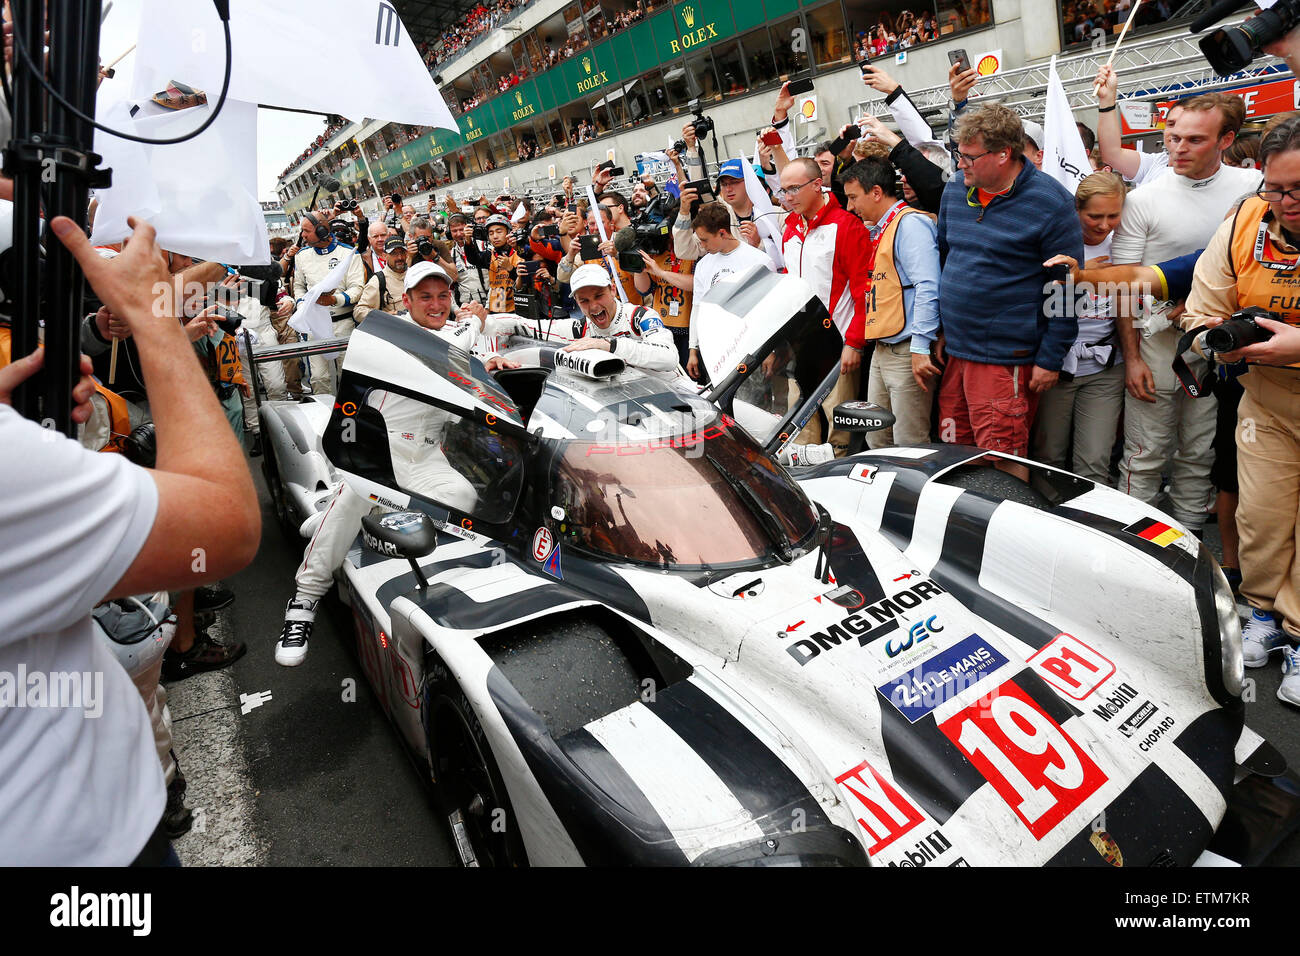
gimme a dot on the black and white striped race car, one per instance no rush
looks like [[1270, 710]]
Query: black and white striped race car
[[649, 643]]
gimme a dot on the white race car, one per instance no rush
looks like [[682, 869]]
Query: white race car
[[649, 643]]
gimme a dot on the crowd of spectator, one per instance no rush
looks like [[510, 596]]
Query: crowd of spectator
[[477, 22], [1082, 20], [907, 29]]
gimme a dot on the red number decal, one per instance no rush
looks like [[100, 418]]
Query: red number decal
[[1040, 772]]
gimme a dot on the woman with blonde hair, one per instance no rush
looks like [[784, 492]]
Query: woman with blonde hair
[[1090, 393]]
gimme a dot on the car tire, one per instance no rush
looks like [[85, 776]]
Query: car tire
[[468, 786], [279, 498]]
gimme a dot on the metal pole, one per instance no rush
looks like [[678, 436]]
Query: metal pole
[[28, 120]]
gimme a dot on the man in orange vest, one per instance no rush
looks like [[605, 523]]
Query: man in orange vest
[[902, 302]]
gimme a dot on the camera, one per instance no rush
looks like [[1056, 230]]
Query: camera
[[703, 128], [1231, 49], [227, 319], [348, 205], [614, 171], [424, 247], [653, 227], [1240, 330], [520, 239], [480, 233], [342, 230]]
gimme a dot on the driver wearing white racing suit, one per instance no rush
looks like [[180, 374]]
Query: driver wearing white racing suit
[[415, 435], [636, 334]]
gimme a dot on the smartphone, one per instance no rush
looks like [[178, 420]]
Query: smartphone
[[532, 265], [796, 87], [550, 232], [866, 68], [571, 207], [703, 188], [589, 247], [959, 57], [852, 132], [631, 261], [772, 139]]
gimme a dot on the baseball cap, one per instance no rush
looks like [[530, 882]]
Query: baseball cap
[[393, 243], [497, 220], [591, 275], [1033, 132], [424, 270], [733, 168]]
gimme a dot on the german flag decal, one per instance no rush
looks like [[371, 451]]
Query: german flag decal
[[1157, 532]]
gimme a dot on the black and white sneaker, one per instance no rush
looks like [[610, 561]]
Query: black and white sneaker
[[291, 648]]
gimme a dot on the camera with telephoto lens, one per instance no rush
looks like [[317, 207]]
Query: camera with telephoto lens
[[653, 227], [1240, 330], [1231, 49], [424, 247]]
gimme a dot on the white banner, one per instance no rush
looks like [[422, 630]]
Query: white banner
[[201, 195], [1064, 157], [351, 57]]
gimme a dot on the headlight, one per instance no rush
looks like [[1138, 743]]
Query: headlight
[[1234, 669]]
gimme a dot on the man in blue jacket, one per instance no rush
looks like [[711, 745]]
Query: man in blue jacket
[[1000, 219]]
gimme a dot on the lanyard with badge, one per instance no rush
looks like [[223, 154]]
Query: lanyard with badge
[[1265, 252], [894, 210]]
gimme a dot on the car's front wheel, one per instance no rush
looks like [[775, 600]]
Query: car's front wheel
[[470, 791]]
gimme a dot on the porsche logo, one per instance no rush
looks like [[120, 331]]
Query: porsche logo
[[688, 15], [586, 64], [1106, 846]]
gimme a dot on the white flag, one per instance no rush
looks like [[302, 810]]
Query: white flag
[[768, 219], [351, 57], [313, 319], [1065, 158], [200, 195]]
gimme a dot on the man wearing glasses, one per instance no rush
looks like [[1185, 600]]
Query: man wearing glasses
[[830, 248], [1000, 219]]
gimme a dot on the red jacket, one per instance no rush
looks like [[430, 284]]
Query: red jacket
[[834, 254]]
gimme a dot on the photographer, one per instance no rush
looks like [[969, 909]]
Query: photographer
[[384, 290], [664, 277], [691, 151], [1252, 260], [90, 792], [422, 247], [502, 263], [469, 280]]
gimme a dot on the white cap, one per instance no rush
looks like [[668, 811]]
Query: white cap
[[1033, 132], [424, 270], [591, 275]]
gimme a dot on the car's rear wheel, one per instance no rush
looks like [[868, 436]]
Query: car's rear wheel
[[471, 793]]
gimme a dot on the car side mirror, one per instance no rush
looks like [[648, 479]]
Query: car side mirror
[[861, 417], [402, 534]]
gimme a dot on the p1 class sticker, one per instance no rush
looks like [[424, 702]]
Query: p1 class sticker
[[542, 544], [1071, 666], [864, 473]]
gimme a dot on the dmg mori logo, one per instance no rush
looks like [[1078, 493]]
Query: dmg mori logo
[[519, 98], [388, 28], [688, 15], [586, 64]]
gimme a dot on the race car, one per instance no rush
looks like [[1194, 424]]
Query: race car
[[649, 643]]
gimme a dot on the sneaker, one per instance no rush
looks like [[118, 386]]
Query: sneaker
[[207, 654], [212, 598], [1289, 692], [291, 648], [796, 455], [177, 818], [1261, 637]]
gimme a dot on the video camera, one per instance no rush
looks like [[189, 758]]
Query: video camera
[[703, 129], [1231, 49], [653, 227]]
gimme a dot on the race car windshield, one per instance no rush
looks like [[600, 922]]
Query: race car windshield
[[706, 500]]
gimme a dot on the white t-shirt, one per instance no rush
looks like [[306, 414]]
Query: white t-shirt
[[1096, 344], [1173, 215], [720, 267], [1150, 166], [79, 785]]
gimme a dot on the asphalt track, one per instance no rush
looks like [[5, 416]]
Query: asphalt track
[[316, 776]]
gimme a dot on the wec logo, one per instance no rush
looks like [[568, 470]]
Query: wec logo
[[917, 633]]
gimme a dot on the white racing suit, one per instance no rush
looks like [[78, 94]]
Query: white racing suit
[[636, 334], [415, 436]]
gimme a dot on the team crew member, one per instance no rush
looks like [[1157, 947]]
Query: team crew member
[[312, 264], [829, 248], [384, 290], [1253, 260], [415, 433], [902, 306]]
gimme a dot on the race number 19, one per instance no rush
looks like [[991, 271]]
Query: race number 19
[[1040, 772]]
